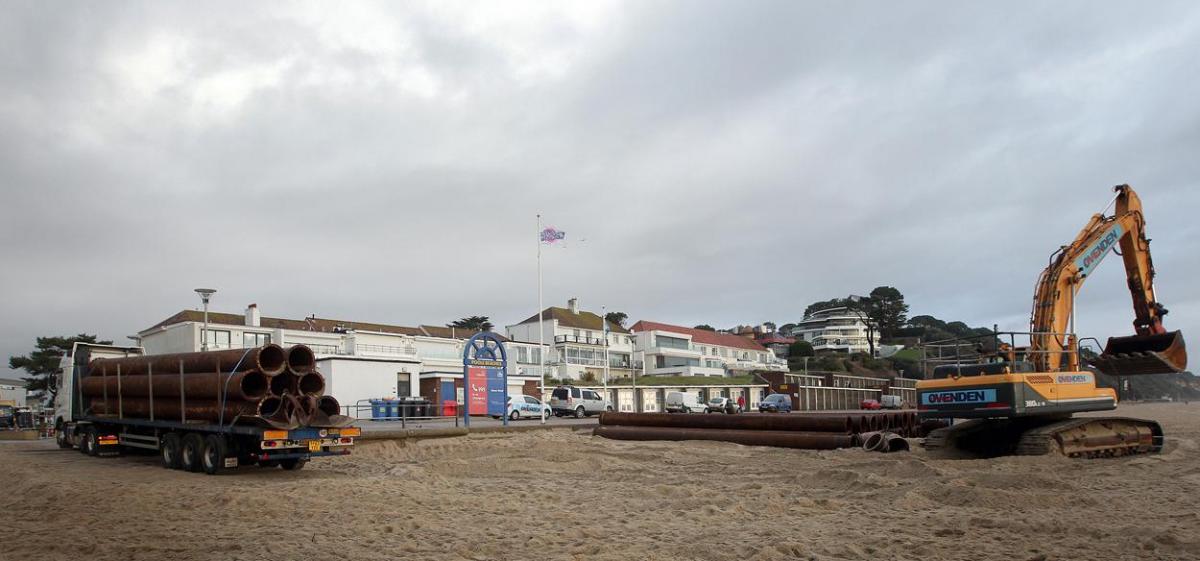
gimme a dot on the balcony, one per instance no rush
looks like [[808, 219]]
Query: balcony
[[387, 350], [578, 339]]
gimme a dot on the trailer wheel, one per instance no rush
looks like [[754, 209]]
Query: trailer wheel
[[189, 453], [212, 459], [293, 464], [168, 451]]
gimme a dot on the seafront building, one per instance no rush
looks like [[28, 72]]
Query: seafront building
[[360, 361], [674, 350], [578, 341], [835, 329]]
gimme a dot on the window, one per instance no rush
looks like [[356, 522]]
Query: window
[[575, 332], [575, 392], [218, 339], [522, 354], [250, 340], [403, 387], [671, 342], [532, 401], [537, 356]]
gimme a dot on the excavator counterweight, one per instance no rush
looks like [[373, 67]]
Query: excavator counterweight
[[1137, 355]]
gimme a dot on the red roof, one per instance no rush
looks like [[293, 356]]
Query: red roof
[[776, 339], [702, 336]]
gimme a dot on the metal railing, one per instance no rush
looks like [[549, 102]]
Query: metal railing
[[578, 339], [987, 348], [404, 416], [403, 350]]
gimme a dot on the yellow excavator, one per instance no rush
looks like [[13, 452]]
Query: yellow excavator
[[1020, 399]]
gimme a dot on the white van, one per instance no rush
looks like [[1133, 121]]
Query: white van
[[890, 402], [681, 402]]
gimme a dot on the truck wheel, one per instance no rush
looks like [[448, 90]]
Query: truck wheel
[[88, 444], [212, 459], [190, 451], [168, 451], [293, 464], [60, 437]]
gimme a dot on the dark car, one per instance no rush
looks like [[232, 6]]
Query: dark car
[[775, 403]]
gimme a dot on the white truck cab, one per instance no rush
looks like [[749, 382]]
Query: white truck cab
[[67, 399]]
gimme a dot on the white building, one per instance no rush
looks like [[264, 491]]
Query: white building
[[578, 341], [14, 391], [683, 351], [834, 329], [360, 361]]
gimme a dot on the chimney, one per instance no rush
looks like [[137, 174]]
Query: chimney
[[573, 305], [252, 317]]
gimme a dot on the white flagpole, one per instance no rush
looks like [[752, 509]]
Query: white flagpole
[[541, 328], [604, 325]]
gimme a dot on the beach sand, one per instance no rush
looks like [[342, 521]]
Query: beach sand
[[567, 495]]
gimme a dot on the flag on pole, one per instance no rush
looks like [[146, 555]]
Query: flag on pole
[[551, 235]]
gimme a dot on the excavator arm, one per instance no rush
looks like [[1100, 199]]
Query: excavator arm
[[1152, 349]]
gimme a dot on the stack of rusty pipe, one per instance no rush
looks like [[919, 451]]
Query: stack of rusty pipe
[[264, 385], [809, 430]]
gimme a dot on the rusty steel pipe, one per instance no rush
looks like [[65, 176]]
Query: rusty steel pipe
[[311, 384], [328, 405], [776, 438], [242, 386], [285, 384], [871, 440], [733, 422], [300, 360], [202, 410], [893, 442], [268, 359]]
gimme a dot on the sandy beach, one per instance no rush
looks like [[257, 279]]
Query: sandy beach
[[567, 495]]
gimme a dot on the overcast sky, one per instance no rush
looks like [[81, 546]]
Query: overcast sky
[[711, 162]]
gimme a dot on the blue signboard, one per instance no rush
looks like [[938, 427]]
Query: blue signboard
[[485, 371]]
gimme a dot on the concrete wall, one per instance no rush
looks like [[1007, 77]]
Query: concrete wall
[[352, 380]]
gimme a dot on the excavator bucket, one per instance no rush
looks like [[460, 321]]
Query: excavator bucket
[[1143, 354]]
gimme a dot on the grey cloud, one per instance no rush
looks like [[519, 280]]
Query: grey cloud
[[725, 162]]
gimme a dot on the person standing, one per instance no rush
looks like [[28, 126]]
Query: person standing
[[741, 403]]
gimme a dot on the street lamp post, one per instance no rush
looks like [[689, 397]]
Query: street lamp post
[[205, 294]]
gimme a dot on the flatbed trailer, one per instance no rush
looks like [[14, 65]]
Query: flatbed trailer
[[197, 446]]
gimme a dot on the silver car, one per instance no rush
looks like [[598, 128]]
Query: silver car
[[577, 402]]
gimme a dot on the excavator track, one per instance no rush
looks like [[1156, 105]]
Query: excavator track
[[1080, 437]]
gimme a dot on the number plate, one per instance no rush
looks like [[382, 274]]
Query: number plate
[[314, 446]]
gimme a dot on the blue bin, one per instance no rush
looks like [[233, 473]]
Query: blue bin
[[379, 409], [393, 408]]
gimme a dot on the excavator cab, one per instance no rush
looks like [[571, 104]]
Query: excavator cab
[[1137, 355]]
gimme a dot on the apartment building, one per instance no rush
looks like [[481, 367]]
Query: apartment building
[[577, 341], [674, 350], [360, 360], [834, 329]]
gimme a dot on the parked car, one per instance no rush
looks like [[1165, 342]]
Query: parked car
[[527, 407], [891, 402], [683, 402], [775, 403], [570, 400], [721, 405], [870, 404]]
